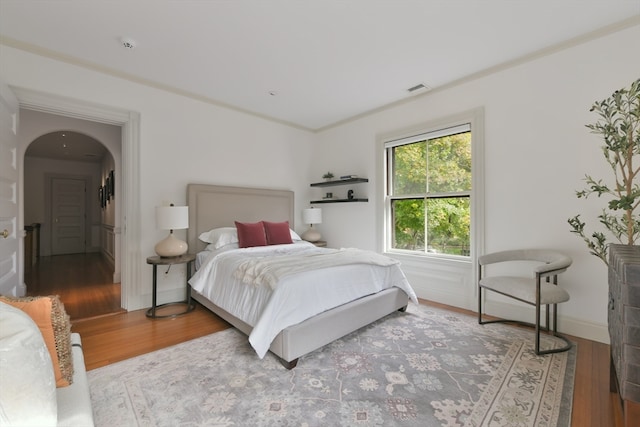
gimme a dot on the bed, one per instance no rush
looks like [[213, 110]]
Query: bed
[[212, 207]]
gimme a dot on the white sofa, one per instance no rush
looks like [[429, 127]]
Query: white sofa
[[28, 393], [74, 401]]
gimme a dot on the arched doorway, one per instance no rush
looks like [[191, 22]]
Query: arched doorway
[[127, 183], [70, 202]]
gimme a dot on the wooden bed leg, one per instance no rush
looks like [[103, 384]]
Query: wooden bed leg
[[403, 309], [289, 365]]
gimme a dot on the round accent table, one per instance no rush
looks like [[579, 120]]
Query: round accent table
[[155, 261]]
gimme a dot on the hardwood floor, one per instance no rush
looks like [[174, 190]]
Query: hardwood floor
[[84, 283], [110, 339]]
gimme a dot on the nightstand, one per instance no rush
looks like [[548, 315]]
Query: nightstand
[[320, 243], [155, 261]]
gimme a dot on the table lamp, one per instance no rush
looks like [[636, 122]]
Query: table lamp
[[172, 218], [311, 216]]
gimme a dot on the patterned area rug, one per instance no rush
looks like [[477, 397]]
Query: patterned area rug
[[425, 367]]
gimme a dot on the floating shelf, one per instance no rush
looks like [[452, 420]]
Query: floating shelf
[[338, 201], [339, 182]]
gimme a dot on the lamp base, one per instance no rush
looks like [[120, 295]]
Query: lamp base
[[311, 235], [171, 247]]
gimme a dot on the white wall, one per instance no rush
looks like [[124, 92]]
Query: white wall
[[181, 141], [537, 150]]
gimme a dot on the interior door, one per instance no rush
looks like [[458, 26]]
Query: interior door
[[68, 216], [9, 239]]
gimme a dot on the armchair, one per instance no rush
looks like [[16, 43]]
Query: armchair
[[541, 289]]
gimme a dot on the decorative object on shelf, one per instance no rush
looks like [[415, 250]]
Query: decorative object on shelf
[[352, 180], [311, 216], [350, 195], [328, 196], [619, 127], [348, 176], [172, 218], [328, 176]]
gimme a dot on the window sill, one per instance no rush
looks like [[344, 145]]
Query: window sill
[[429, 258]]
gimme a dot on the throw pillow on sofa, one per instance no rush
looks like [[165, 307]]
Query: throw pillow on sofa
[[49, 315]]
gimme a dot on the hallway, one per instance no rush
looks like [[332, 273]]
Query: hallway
[[84, 283]]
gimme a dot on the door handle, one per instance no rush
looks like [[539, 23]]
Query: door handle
[[5, 233]]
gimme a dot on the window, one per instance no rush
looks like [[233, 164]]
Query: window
[[428, 192]]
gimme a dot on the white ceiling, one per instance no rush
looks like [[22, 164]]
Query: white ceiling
[[67, 145], [307, 63]]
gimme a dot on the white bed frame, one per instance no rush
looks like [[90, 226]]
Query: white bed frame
[[212, 206]]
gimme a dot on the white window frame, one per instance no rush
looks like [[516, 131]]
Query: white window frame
[[475, 119]]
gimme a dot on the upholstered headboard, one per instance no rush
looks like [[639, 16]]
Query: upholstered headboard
[[212, 206]]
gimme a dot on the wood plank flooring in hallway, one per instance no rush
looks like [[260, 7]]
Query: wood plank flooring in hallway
[[84, 283]]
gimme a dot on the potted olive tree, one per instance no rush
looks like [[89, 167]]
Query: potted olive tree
[[619, 125]]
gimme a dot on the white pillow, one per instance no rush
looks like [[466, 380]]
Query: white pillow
[[223, 236], [294, 235], [28, 392], [211, 247], [219, 237]]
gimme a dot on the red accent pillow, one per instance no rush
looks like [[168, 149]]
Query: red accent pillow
[[277, 232], [251, 234]]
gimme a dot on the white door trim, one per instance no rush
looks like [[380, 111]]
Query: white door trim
[[127, 227]]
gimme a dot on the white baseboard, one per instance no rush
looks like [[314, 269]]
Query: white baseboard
[[566, 325]]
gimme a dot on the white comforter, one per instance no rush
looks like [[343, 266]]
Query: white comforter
[[296, 295]]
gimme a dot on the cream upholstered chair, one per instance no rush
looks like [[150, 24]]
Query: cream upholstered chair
[[540, 288]]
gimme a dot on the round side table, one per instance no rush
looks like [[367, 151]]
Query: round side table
[[155, 261]]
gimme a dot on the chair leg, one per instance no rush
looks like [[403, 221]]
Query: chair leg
[[547, 324], [555, 334], [535, 325], [479, 305], [479, 294], [537, 348]]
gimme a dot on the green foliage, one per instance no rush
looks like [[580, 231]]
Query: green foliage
[[449, 225], [409, 224], [437, 166], [619, 126]]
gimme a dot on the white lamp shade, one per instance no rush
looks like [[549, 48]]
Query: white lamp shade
[[172, 217], [312, 216]]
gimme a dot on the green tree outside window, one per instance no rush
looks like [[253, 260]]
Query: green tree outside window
[[430, 197]]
